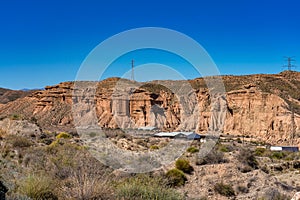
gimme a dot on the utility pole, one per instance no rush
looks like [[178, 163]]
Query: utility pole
[[289, 61], [132, 70]]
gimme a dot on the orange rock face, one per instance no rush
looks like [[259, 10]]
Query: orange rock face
[[254, 107]]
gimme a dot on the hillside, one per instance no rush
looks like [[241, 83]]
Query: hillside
[[258, 106], [7, 95], [43, 157]]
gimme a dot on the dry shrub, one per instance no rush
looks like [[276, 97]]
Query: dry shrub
[[184, 165], [19, 141], [145, 187], [38, 187], [82, 176], [176, 177], [213, 157], [246, 157], [224, 189]]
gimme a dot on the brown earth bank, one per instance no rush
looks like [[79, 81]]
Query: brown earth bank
[[266, 107], [7, 95]]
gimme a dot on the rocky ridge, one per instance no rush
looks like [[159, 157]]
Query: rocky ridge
[[266, 107]]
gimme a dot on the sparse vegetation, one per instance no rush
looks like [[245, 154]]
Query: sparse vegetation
[[278, 155], [37, 187], [260, 151], [176, 177], [19, 141], [16, 117], [274, 194], [192, 150], [154, 147], [224, 189], [63, 135], [146, 187], [242, 189], [213, 157], [246, 157], [184, 165]]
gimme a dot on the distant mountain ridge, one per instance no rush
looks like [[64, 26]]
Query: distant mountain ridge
[[7, 95]]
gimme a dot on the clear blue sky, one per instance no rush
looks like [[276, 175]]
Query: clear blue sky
[[44, 42]]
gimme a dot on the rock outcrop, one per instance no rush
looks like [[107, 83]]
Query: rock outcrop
[[266, 107]]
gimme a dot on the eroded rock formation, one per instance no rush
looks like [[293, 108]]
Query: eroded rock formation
[[262, 106]]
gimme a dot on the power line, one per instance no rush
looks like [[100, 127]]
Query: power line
[[289, 61]]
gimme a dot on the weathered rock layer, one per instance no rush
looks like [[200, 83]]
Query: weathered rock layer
[[265, 107]]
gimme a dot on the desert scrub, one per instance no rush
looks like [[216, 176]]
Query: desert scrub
[[54, 144], [260, 151], [184, 165], [145, 187], [154, 147], [19, 141], [192, 150], [15, 117], [176, 177], [278, 155], [274, 194], [242, 189], [63, 135], [224, 189], [223, 148], [246, 157], [213, 157], [37, 187]]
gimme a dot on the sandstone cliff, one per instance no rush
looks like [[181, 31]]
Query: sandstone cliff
[[266, 107]]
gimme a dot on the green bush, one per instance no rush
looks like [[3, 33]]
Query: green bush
[[223, 148], [192, 150], [260, 151], [37, 187], [224, 190], [15, 117], [277, 155], [184, 165], [176, 177], [145, 187], [63, 135], [154, 147]]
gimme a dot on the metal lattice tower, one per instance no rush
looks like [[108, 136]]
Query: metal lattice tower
[[289, 61]]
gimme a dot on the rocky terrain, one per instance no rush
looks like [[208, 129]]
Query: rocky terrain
[[47, 165], [43, 157], [7, 95], [266, 107]]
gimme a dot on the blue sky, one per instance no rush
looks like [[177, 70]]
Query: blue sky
[[44, 42]]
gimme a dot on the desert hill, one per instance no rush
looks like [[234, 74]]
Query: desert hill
[[7, 95], [263, 106]]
